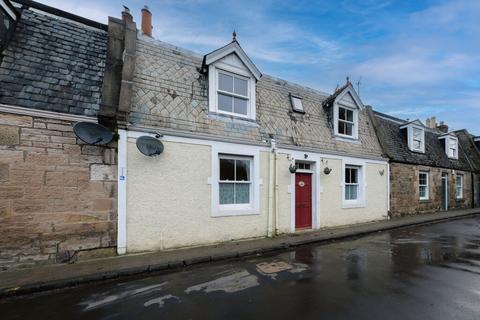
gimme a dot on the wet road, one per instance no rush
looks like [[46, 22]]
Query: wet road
[[427, 272]]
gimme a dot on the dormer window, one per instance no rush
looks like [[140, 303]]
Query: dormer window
[[297, 104], [453, 148], [415, 136], [232, 77], [450, 143], [344, 106]]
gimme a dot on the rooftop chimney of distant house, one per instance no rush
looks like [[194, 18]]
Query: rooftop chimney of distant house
[[442, 127], [126, 15], [431, 123], [146, 22]]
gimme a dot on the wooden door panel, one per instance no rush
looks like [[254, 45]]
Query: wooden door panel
[[303, 200]]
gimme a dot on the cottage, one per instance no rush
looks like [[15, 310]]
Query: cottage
[[429, 171], [57, 194], [471, 146], [245, 154]]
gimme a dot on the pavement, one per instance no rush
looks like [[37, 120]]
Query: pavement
[[42, 278]]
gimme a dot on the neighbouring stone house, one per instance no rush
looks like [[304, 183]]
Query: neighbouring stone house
[[429, 171], [57, 194], [232, 137], [471, 146]]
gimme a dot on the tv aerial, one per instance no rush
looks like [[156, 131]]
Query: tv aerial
[[92, 133], [149, 146]]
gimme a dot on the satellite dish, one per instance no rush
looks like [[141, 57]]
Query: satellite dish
[[149, 146], [92, 133]]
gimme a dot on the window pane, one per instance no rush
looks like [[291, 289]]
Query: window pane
[[354, 175], [417, 144], [227, 169], [297, 104], [225, 102], [241, 86], [423, 191], [240, 106], [349, 115], [349, 127], [417, 134], [225, 82], [347, 175], [423, 179], [226, 191], [341, 127], [351, 192], [341, 114], [243, 170], [242, 193]]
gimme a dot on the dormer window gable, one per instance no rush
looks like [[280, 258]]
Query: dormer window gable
[[450, 144], [415, 136], [232, 78], [346, 104]]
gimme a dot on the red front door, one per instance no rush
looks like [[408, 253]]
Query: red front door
[[303, 200]]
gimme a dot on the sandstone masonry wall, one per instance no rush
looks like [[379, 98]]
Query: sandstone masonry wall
[[57, 194], [404, 190]]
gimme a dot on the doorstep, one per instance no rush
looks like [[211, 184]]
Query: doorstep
[[42, 278]]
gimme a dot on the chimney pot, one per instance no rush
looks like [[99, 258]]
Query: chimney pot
[[126, 15], [442, 127], [146, 21]]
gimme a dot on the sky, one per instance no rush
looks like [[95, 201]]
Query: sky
[[410, 59]]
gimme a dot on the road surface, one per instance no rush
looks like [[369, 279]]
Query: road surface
[[423, 272]]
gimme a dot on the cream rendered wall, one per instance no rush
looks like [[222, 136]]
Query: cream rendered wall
[[376, 195], [284, 195], [169, 200]]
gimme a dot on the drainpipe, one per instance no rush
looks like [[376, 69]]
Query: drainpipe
[[122, 193], [271, 182], [276, 191]]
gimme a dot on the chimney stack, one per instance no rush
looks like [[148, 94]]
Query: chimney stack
[[442, 127], [146, 21], [126, 15]]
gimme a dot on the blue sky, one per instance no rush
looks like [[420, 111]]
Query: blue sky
[[414, 59]]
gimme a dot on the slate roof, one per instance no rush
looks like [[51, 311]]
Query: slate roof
[[465, 140], [170, 94], [395, 145], [53, 64]]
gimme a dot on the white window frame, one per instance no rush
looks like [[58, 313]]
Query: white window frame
[[410, 136], [453, 155], [240, 205], [292, 101], [360, 201], [213, 83], [446, 141], [231, 151], [427, 185], [460, 178], [336, 119]]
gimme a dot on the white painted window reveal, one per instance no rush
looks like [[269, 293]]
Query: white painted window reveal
[[459, 186], [423, 188]]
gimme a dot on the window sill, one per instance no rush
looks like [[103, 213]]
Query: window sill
[[424, 200], [353, 205], [232, 118], [346, 139], [234, 213]]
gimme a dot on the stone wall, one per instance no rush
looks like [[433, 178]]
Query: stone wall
[[404, 190], [57, 194]]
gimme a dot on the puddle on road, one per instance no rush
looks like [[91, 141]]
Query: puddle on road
[[161, 300], [235, 282], [103, 299]]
